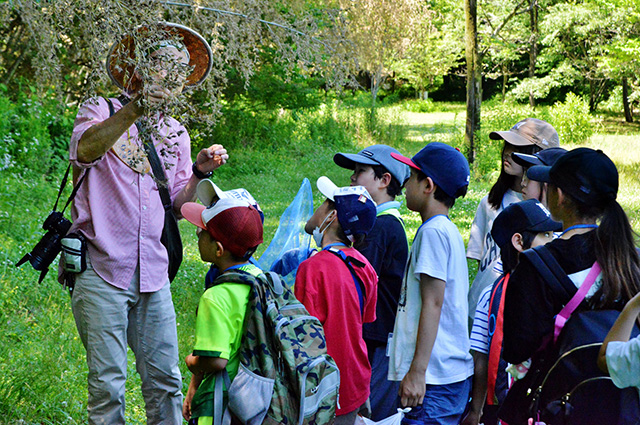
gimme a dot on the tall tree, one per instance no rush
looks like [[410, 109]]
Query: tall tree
[[71, 38], [384, 32]]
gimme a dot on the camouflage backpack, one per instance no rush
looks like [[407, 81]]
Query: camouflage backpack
[[285, 374]]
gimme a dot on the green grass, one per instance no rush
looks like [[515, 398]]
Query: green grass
[[42, 363]]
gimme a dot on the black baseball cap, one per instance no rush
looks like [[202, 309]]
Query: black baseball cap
[[529, 215], [586, 174], [544, 157]]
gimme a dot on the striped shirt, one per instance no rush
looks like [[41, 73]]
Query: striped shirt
[[480, 331]]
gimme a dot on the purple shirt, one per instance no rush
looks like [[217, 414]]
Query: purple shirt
[[118, 210]]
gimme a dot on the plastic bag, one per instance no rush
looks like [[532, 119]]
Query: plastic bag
[[290, 245], [391, 420]]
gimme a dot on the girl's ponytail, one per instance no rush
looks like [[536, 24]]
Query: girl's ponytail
[[617, 255]]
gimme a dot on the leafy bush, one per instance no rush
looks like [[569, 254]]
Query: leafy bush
[[34, 133], [571, 120], [418, 105]]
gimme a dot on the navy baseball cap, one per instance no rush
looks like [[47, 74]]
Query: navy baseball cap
[[374, 155], [446, 166], [544, 157], [586, 174], [354, 205], [526, 215]]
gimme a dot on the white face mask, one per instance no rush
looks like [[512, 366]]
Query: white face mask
[[319, 234]]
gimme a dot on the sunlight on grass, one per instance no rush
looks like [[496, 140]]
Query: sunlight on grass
[[43, 368]]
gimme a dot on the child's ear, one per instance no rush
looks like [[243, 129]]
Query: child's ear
[[430, 186], [561, 196], [219, 249], [385, 180], [517, 242]]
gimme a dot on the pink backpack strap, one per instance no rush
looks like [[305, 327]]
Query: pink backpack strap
[[575, 301]]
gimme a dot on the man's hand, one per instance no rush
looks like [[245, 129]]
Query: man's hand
[[211, 158], [412, 389]]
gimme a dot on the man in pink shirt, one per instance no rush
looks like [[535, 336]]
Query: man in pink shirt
[[124, 297]]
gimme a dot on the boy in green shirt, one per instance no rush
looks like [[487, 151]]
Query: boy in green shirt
[[232, 232]]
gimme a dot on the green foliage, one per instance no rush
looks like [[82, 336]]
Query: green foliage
[[419, 105], [571, 120], [43, 368], [34, 133]]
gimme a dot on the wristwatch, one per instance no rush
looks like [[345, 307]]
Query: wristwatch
[[199, 174]]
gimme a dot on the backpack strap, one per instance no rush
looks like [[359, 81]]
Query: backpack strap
[[575, 301], [222, 378], [551, 272], [495, 348], [349, 261], [563, 286]]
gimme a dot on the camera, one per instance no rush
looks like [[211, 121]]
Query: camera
[[45, 251]]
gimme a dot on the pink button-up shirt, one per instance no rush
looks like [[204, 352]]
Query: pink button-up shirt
[[118, 210]]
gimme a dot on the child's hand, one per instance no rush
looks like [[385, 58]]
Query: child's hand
[[188, 398], [186, 405], [412, 389]]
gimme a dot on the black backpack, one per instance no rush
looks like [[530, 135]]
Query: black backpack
[[564, 384]]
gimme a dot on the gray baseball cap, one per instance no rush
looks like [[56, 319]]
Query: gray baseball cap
[[374, 155], [529, 131]]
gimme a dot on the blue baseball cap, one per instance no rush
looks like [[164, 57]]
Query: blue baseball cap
[[354, 205], [446, 166], [374, 155], [544, 157], [529, 215]]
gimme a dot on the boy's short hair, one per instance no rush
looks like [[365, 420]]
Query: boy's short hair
[[445, 165], [355, 209], [394, 188], [232, 222]]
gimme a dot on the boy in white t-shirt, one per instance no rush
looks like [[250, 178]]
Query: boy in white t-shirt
[[429, 351]]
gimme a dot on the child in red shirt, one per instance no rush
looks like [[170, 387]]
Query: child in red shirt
[[339, 287]]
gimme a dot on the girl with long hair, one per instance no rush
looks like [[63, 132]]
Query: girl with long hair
[[528, 136], [583, 185]]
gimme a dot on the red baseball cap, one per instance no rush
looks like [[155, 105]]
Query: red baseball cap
[[233, 222]]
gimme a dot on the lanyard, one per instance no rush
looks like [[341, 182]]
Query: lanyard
[[579, 226]]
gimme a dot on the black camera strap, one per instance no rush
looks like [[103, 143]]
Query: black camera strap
[[75, 188]]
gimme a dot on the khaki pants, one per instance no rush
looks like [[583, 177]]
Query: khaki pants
[[109, 318]]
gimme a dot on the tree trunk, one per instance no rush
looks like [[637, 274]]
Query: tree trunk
[[474, 77], [505, 79], [533, 48], [376, 82], [628, 112]]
